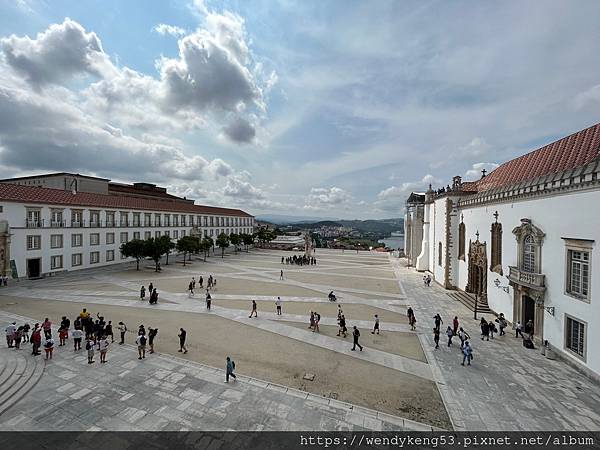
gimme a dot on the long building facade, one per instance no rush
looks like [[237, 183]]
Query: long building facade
[[524, 241], [60, 222]]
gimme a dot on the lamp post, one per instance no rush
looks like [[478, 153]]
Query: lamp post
[[475, 312]]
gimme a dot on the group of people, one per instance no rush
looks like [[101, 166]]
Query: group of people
[[451, 332], [211, 283], [153, 294], [299, 260]]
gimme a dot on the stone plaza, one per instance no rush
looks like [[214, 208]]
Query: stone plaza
[[289, 378]]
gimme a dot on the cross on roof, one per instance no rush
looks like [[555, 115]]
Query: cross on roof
[[496, 216], [483, 172], [477, 234]]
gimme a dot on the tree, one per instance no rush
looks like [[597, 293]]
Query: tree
[[205, 245], [168, 244], [134, 249], [248, 240], [235, 240], [222, 243], [155, 248], [210, 243], [186, 245]]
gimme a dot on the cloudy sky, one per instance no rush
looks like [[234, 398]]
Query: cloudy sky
[[310, 108]]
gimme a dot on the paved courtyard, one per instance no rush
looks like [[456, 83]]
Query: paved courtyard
[[397, 382]]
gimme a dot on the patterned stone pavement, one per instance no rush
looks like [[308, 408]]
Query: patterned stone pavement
[[507, 387]]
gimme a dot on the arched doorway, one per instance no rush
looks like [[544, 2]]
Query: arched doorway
[[477, 282]]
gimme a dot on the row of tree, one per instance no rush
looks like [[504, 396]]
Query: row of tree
[[156, 248]]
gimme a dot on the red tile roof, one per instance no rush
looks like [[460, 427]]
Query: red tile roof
[[567, 153], [34, 195]]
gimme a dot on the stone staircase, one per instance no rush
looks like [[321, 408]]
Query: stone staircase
[[19, 373], [469, 301]]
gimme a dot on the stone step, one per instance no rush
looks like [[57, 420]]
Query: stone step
[[469, 301], [9, 361], [28, 370]]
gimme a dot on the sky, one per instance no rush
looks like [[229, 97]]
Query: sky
[[334, 108]]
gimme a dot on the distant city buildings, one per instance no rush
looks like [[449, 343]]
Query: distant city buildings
[[63, 221]]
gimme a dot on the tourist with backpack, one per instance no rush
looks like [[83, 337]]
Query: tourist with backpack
[[141, 343], [229, 370], [467, 353]]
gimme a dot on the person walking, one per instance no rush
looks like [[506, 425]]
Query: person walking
[[26, 329], [36, 340], [467, 353], [141, 345], [519, 330], [463, 336], [182, 335], [49, 347], [278, 303], [108, 331], [229, 370], [47, 326], [77, 335], [152, 332], [122, 331], [103, 347], [343, 330], [355, 336], [10, 334], [190, 290], [208, 299], [281, 275], [317, 320], [142, 293], [63, 333], [492, 328], [18, 337], [455, 325], [485, 329], [150, 289], [193, 283], [438, 321], [436, 337], [253, 310], [312, 320], [376, 326], [449, 333], [89, 346], [201, 282], [502, 324], [529, 330], [411, 318]]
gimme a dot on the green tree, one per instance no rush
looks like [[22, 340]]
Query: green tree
[[155, 248], [248, 239], [222, 243], [186, 245], [209, 243], [134, 249], [235, 240], [168, 244]]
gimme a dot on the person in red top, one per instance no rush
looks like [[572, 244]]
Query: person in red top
[[47, 326], [455, 325], [36, 340]]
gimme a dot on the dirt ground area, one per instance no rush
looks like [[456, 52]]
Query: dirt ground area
[[351, 311], [267, 356], [398, 343]]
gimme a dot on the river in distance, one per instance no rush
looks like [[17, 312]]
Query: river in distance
[[393, 242]]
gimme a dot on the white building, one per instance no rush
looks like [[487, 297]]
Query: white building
[[288, 242], [62, 221], [523, 239]]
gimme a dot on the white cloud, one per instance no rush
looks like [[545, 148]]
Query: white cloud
[[321, 199], [171, 30], [392, 198], [476, 147], [589, 96]]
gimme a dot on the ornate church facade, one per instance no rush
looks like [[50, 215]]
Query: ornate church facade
[[523, 241]]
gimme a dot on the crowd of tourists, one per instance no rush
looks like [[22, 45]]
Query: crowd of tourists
[[299, 260], [211, 284]]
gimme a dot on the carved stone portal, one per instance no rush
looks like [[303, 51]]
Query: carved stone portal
[[477, 282]]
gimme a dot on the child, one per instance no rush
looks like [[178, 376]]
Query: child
[[62, 336], [89, 346], [49, 347]]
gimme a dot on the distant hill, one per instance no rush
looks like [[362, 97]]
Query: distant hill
[[285, 220], [383, 226]]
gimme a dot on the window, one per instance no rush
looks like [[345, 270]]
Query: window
[[76, 259], [94, 257], [529, 254], [175, 234], [76, 218], [578, 273], [147, 234], [110, 238], [56, 218], [575, 336], [124, 218], [124, 237], [94, 218], [182, 220], [496, 264], [34, 218], [157, 220], [94, 238], [157, 234], [167, 220], [110, 218], [76, 240], [175, 220], [167, 233], [182, 233], [461, 241], [136, 219], [440, 254], [110, 255], [34, 242], [211, 232], [56, 241], [212, 221], [56, 262], [147, 220], [136, 235]]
